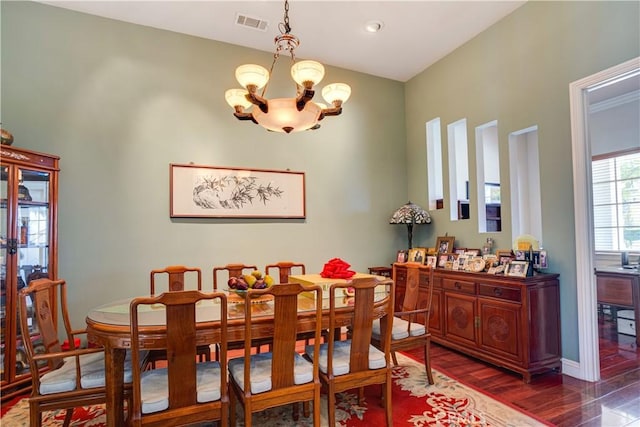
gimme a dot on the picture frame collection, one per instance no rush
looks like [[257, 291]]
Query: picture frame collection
[[445, 256]]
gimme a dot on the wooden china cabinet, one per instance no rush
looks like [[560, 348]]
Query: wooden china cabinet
[[28, 249], [512, 322]]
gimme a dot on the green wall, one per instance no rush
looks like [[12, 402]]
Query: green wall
[[120, 102], [518, 73]]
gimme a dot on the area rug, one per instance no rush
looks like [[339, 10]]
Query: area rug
[[447, 403]]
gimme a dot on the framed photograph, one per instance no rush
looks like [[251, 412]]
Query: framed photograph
[[442, 260], [223, 192], [417, 255], [543, 258], [517, 268], [432, 261], [460, 251], [444, 244], [472, 252], [463, 261], [504, 252], [402, 256]]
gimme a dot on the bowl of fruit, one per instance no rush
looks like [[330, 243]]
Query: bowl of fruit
[[255, 280]]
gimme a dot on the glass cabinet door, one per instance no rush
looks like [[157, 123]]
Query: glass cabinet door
[[33, 222], [4, 236]]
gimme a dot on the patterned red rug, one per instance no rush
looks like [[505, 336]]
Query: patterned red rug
[[447, 403]]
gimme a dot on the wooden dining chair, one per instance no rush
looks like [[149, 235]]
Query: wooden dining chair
[[177, 279], [285, 268], [354, 362], [61, 379], [410, 325], [185, 391], [176, 276], [233, 270], [281, 376]]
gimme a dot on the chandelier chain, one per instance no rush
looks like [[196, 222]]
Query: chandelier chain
[[287, 27]]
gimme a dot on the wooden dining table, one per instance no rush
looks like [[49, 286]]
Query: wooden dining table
[[108, 326]]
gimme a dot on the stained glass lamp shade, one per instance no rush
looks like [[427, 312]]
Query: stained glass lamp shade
[[410, 214]]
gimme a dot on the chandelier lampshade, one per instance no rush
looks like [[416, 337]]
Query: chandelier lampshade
[[336, 93], [307, 73], [410, 214], [285, 114], [252, 75]]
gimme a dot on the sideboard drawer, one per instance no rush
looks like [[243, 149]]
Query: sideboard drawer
[[459, 286], [501, 292]]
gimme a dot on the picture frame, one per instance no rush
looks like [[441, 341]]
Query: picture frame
[[417, 255], [472, 252], [504, 252], [463, 261], [444, 244], [446, 260], [198, 191], [442, 260], [543, 259], [460, 251], [432, 261], [517, 268], [402, 256]]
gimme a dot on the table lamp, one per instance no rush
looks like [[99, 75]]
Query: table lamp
[[410, 214]]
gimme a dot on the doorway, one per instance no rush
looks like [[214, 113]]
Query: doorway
[[589, 366]]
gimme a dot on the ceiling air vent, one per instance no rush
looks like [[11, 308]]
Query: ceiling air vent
[[251, 22]]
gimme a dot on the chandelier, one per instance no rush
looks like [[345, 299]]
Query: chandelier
[[285, 114]]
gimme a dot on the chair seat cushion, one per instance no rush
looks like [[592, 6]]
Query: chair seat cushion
[[261, 371], [154, 390], [401, 329], [342, 357], [91, 374]]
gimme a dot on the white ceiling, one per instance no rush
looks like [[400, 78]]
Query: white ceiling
[[415, 34]]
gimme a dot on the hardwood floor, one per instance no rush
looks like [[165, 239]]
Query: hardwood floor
[[614, 401]]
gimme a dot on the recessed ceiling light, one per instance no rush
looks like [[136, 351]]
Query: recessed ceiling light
[[374, 26]]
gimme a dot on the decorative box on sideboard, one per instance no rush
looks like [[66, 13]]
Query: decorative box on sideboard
[[511, 322]]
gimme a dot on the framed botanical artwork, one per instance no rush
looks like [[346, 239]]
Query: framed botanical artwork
[[517, 268], [444, 244], [228, 192], [402, 256], [417, 255]]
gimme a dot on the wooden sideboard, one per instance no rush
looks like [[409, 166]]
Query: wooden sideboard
[[620, 288], [510, 322]]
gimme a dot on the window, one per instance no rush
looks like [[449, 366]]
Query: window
[[434, 164], [526, 194], [488, 177], [458, 169], [616, 201]]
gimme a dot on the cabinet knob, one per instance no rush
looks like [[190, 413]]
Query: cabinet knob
[[458, 285], [497, 291]]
